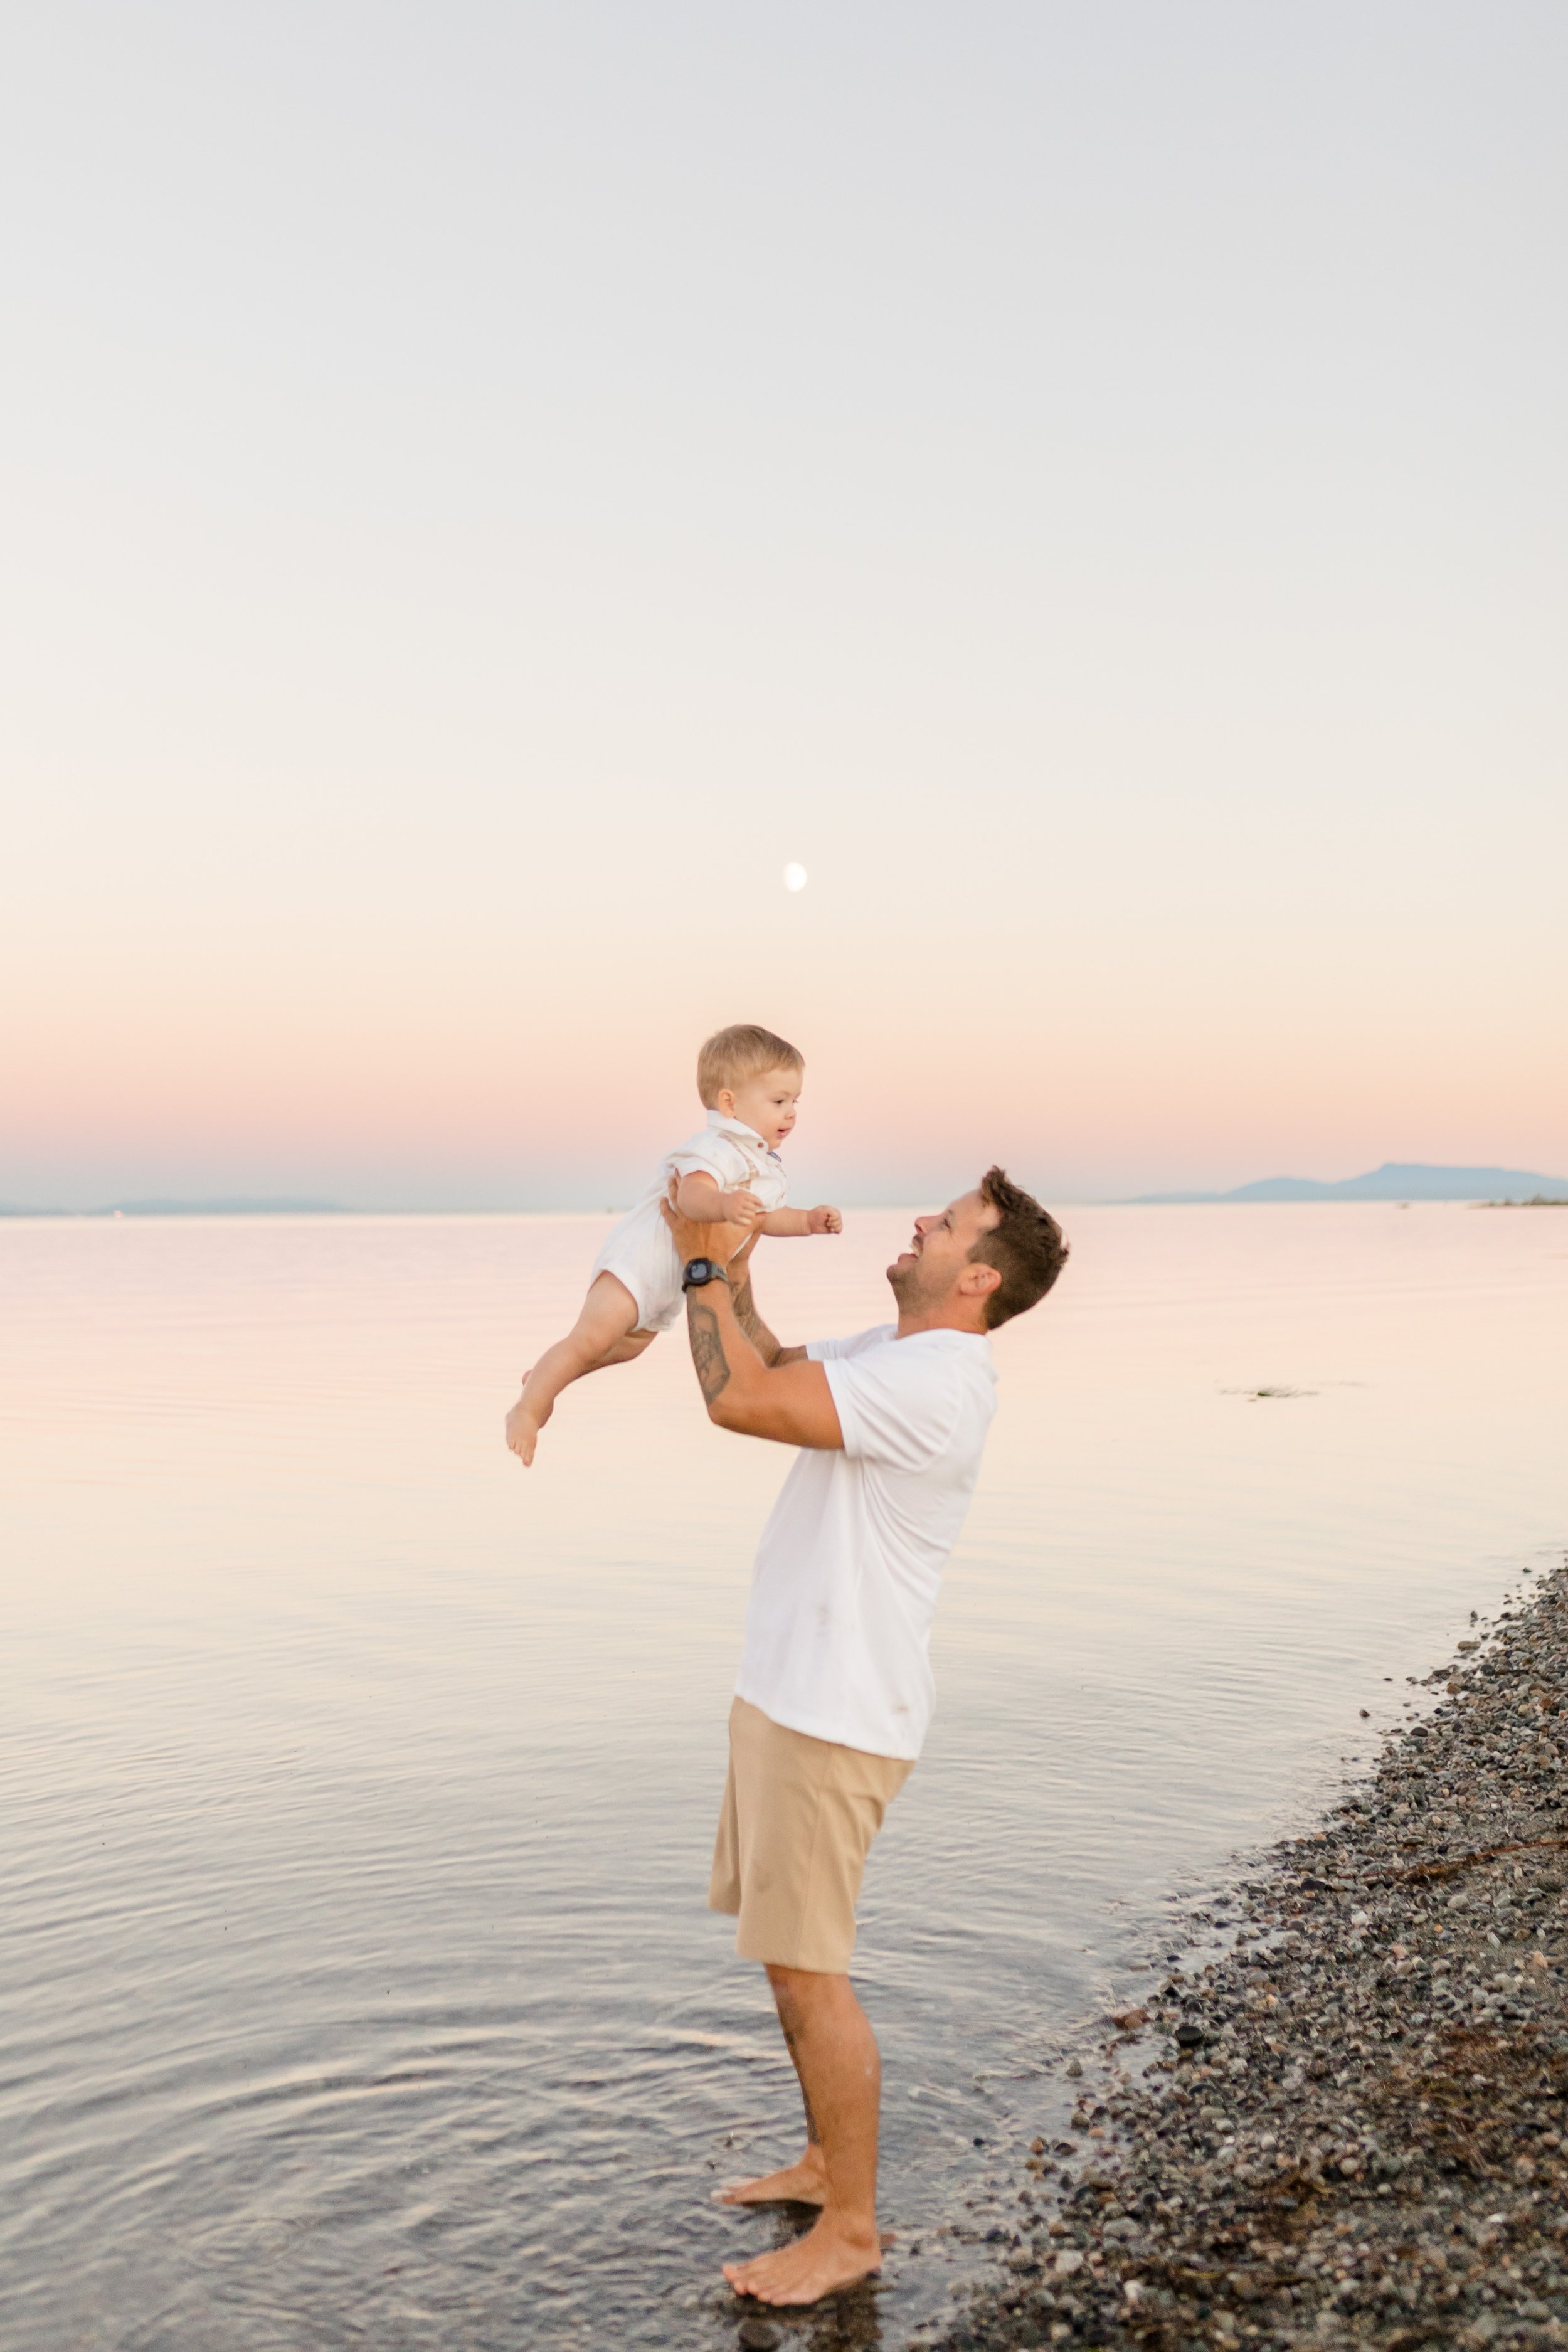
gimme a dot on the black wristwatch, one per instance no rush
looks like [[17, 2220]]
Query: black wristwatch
[[698, 1271]]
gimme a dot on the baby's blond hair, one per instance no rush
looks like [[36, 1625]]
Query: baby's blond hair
[[733, 1056]]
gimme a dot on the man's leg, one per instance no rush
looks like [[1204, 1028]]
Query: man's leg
[[804, 2183], [836, 2056]]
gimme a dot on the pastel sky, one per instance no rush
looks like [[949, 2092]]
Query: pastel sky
[[485, 484]]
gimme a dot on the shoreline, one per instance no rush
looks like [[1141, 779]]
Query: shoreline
[[1350, 2126]]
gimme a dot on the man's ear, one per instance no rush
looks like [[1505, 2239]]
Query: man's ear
[[978, 1280]]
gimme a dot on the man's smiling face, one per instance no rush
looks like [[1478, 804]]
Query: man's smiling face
[[926, 1274]]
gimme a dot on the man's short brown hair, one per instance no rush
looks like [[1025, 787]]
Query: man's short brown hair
[[733, 1056], [1026, 1245]]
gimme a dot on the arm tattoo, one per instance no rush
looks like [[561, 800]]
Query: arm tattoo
[[707, 1349], [752, 1323]]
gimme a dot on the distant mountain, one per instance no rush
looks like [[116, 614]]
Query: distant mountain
[[1397, 1180], [236, 1208]]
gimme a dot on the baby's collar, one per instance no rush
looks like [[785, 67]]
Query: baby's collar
[[738, 1126]]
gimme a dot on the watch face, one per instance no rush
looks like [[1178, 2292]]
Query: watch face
[[698, 1271]]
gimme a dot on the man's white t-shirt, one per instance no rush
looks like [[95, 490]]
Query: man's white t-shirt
[[850, 1562]]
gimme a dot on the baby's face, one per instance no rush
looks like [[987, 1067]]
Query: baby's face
[[768, 1104]]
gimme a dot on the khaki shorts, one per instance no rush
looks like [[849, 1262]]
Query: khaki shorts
[[798, 1818]]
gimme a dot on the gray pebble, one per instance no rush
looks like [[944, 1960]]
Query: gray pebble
[[1343, 2136]]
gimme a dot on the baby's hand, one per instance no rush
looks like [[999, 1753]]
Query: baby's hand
[[825, 1221], [741, 1208]]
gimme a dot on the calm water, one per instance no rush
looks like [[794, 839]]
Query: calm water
[[357, 1787]]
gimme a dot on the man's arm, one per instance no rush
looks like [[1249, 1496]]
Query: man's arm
[[749, 1382], [788, 1398], [751, 1322]]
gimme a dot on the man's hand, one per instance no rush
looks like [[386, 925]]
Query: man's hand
[[728, 1244], [825, 1221], [749, 1382]]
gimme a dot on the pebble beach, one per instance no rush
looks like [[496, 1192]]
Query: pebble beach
[[1341, 2113]]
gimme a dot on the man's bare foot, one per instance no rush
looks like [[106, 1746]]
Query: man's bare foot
[[522, 1428], [804, 2183], [828, 2257]]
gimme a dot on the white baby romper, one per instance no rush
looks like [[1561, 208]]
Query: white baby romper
[[641, 1251]]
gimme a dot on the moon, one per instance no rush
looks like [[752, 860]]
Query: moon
[[794, 877]]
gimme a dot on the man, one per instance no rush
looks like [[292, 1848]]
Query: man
[[834, 1690]]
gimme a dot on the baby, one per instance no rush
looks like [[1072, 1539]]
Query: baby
[[730, 1173]]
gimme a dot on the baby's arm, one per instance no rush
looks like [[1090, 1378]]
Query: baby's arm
[[700, 1199], [796, 1223]]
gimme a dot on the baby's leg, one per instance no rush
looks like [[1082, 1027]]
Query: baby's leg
[[625, 1351], [605, 1333]]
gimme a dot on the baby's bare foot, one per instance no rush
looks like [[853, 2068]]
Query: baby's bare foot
[[524, 1423], [804, 2183]]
